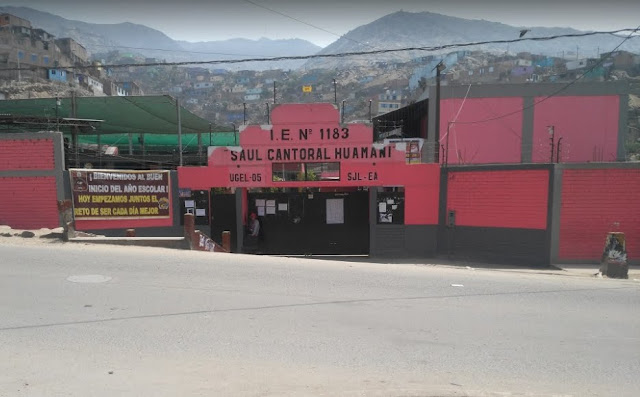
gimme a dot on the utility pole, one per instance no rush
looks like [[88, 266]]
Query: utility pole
[[274, 92], [335, 92], [235, 137], [439, 68], [268, 115], [342, 117], [19, 75], [370, 116], [244, 113], [179, 130], [57, 118]]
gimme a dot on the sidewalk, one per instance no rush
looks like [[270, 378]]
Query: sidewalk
[[575, 270]]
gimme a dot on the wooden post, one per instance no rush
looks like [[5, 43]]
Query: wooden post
[[226, 240]]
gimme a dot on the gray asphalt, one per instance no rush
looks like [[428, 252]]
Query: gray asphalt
[[162, 322]]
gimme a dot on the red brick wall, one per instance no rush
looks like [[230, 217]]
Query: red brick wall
[[595, 202], [504, 199], [28, 202], [26, 154]]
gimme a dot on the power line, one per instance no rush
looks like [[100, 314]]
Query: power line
[[553, 94], [168, 50], [306, 23], [345, 54]]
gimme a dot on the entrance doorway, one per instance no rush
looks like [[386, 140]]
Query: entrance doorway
[[223, 217], [313, 223]]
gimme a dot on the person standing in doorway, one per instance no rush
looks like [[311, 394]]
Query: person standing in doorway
[[254, 226], [253, 235]]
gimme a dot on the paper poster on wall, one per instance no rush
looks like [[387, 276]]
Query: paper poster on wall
[[259, 202], [260, 211], [382, 207], [201, 212], [283, 206], [386, 218], [271, 210], [190, 210], [189, 203], [335, 211], [390, 201], [271, 203]]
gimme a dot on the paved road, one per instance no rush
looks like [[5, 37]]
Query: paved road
[[79, 320]]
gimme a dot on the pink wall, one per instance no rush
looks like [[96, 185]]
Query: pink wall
[[497, 141], [509, 199], [587, 124], [595, 202], [261, 144], [28, 202]]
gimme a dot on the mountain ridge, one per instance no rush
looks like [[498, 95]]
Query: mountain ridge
[[425, 29]]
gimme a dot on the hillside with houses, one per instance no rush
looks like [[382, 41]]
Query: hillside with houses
[[37, 64]]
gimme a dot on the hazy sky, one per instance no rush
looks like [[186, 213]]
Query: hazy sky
[[208, 20]]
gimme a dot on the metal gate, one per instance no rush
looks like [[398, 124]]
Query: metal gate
[[313, 223], [223, 217]]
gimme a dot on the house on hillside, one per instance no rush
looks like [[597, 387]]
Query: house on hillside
[[59, 75], [73, 50], [203, 85], [113, 89], [26, 52], [131, 88]]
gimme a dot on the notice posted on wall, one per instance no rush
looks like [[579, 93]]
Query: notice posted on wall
[[335, 211], [110, 194]]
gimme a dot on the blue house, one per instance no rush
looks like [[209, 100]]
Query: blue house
[[57, 75]]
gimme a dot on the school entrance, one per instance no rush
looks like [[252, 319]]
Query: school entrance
[[313, 223]]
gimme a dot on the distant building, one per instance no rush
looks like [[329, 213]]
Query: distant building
[[131, 88], [203, 85], [33, 51], [57, 75], [388, 102], [251, 97], [73, 50], [113, 89]]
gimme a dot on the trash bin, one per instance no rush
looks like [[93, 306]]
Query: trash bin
[[614, 262]]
